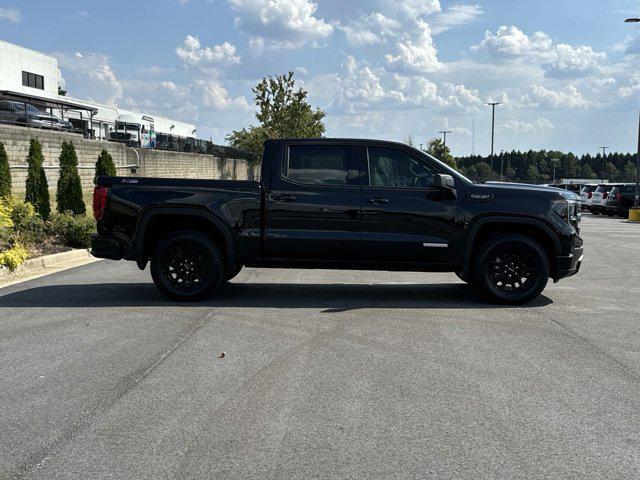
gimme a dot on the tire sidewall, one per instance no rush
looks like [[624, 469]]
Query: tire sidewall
[[483, 280], [215, 275]]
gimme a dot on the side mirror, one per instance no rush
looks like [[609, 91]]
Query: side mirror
[[444, 181]]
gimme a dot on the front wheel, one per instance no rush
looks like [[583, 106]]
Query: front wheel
[[511, 268], [187, 266]]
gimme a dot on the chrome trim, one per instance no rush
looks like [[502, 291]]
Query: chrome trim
[[435, 245]]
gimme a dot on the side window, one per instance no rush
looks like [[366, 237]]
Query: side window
[[394, 168], [318, 164]]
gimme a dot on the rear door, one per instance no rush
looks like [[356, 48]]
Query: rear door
[[313, 206], [404, 217]]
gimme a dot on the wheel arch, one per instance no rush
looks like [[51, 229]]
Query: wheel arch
[[483, 228], [156, 223]]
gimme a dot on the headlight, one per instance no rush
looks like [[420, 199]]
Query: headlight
[[567, 210]]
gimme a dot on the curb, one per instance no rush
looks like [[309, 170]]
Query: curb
[[55, 260]]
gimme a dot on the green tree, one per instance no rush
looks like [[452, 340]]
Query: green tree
[[532, 174], [629, 172], [283, 112], [437, 148], [104, 166], [37, 188], [69, 192], [5, 173], [611, 172], [481, 172]]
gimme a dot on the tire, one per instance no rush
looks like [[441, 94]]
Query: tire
[[187, 266], [511, 268], [595, 212], [231, 274]]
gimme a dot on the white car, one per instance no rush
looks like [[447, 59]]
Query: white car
[[586, 193], [599, 198]]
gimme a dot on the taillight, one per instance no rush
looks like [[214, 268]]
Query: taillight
[[618, 197], [605, 195], [590, 195], [100, 194]]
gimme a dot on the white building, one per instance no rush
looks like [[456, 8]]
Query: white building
[[32, 77]]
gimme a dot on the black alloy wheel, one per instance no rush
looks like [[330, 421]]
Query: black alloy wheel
[[187, 265], [511, 268]]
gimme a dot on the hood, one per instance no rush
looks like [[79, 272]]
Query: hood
[[526, 189]]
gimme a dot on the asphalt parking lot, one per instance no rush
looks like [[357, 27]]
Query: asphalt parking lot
[[325, 374]]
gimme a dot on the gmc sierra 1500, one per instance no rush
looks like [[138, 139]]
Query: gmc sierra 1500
[[341, 203]]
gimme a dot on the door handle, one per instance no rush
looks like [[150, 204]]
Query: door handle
[[283, 197], [379, 200]]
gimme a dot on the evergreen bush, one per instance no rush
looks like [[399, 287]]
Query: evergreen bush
[[69, 192], [5, 173], [37, 187]]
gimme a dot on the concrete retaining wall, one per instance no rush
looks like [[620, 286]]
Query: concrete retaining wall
[[150, 163]]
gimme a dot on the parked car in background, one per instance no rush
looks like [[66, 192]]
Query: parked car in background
[[620, 200], [26, 114], [599, 198], [586, 193]]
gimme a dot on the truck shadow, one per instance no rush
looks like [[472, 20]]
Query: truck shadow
[[331, 298]]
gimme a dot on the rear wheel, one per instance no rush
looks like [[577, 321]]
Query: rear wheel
[[511, 268], [187, 266]]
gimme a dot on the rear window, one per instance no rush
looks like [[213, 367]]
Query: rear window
[[589, 188], [318, 164], [604, 188], [628, 189]]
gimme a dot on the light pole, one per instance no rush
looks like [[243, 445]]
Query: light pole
[[555, 162], [444, 133], [636, 203], [493, 127], [604, 159]]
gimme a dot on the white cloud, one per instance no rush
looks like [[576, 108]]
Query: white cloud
[[455, 16], [511, 42], [215, 95], [370, 29], [630, 46], [280, 23], [516, 126], [557, 60], [416, 54], [417, 8], [191, 52], [10, 14], [567, 98], [84, 14], [168, 85], [104, 85]]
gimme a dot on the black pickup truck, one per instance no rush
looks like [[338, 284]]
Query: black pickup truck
[[346, 204]]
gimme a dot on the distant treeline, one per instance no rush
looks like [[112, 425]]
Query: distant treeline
[[537, 166]]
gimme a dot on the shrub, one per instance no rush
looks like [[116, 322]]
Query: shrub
[[69, 192], [104, 166], [74, 230], [5, 173], [6, 221], [14, 257], [37, 186]]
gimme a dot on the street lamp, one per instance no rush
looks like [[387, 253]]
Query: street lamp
[[555, 162], [444, 133], [493, 125], [636, 203]]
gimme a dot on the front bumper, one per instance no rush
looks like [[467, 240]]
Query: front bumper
[[105, 247], [568, 265]]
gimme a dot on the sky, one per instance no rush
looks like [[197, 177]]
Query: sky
[[565, 72]]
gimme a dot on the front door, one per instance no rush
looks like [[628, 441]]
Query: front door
[[404, 217], [313, 206]]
